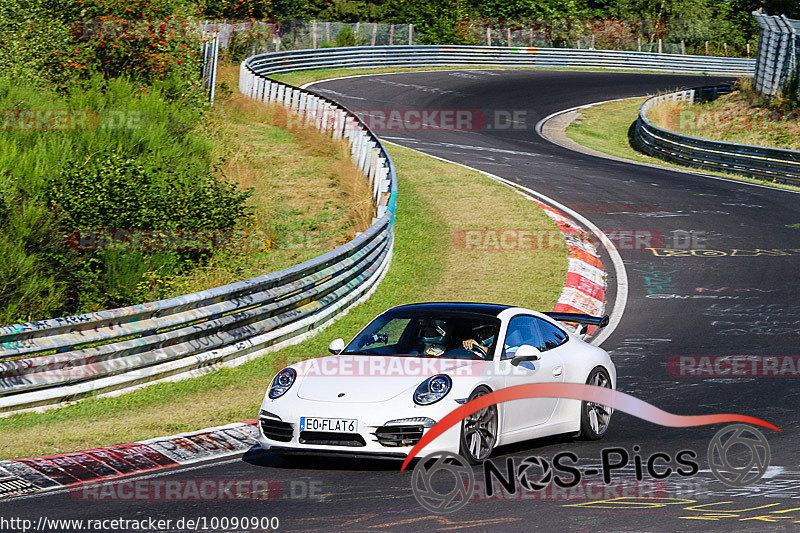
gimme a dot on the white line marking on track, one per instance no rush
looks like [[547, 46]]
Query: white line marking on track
[[341, 95], [540, 124], [468, 147]]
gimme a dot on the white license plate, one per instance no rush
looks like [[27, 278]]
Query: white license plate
[[334, 425]]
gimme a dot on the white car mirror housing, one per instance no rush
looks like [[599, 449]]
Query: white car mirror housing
[[336, 346], [526, 352]]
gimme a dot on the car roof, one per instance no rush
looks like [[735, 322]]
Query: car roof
[[462, 307]]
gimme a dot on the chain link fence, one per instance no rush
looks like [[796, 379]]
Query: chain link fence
[[240, 39], [778, 62], [694, 37]]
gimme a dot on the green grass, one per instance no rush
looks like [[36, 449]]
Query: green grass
[[606, 128], [436, 201], [41, 277], [119, 115], [739, 117], [309, 197]]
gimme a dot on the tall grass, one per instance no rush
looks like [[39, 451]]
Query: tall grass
[[663, 114], [743, 116], [132, 121], [310, 197], [119, 125]]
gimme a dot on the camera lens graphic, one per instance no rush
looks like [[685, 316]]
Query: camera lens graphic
[[527, 478], [738, 455], [453, 487]]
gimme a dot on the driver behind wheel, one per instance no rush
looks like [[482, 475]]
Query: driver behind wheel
[[435, 334], [482, 338]]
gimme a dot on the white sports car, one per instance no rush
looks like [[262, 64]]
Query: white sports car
[[414, 364]]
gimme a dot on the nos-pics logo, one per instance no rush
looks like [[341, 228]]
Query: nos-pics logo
[[443, 482]]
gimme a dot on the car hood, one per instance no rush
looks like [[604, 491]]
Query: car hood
[[373, 378]]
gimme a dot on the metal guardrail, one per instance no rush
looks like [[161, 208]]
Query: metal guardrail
[[437, 55], [778, 52], [762, 162], [47, 362]]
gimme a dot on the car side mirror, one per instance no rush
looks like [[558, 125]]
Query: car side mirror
[[336, 346], [526, 352]]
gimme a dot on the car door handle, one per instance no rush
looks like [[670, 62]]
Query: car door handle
[[557, 371]]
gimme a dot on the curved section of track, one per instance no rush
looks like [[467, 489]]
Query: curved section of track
[[683, 303]]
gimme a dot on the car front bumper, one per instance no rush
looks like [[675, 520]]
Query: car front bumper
[[370, 418]]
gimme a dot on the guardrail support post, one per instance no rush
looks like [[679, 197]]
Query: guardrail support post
[[338, 123]]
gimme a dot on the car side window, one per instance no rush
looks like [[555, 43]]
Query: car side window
[[388, 334], [551, 335], [521, 330]]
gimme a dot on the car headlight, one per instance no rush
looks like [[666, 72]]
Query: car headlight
[[432, 389], [281, 383]]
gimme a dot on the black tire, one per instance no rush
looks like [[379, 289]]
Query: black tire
[[479, 431], [595, 418]]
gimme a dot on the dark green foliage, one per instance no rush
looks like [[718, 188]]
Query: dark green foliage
[[345, 37], [791, 90], [35, 257], [114, 191], [239, 9], [135, 163]]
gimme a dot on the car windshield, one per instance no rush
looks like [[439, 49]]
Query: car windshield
[[451, 335]]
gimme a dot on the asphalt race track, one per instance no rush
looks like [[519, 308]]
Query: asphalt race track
[[687, 303]]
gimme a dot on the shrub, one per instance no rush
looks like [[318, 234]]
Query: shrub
[[238, 9], [36, 260], [345, 37], [140, 164], [115, 192]]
